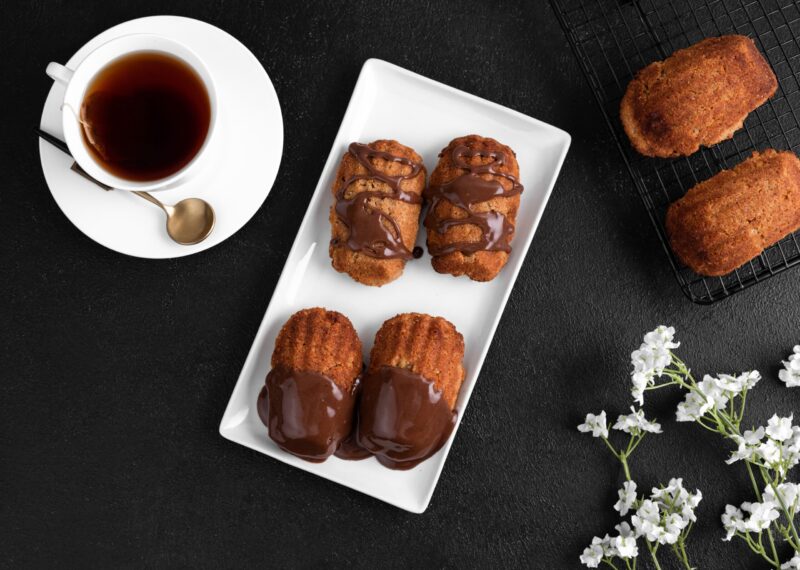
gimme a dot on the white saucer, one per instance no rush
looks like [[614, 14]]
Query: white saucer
[[248, 148]]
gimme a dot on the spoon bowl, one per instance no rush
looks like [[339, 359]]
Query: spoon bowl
[[190, 221]]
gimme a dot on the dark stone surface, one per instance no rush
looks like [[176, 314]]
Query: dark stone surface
[[116, 371]]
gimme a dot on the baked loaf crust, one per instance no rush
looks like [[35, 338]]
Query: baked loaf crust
[[425, 345], [479, 265], [699, 95], [730, 218], [357, 264], [321, 341]]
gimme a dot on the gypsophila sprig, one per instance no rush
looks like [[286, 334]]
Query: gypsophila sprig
[[717, 404], [667, 515], [651, 359]]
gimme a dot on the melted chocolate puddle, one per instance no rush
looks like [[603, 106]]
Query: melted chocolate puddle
[[306, 413], [373, 232], [464, 192], [403, 418]]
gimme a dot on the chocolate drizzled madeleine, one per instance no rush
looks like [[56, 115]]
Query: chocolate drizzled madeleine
[[474, 195], [375, 219]]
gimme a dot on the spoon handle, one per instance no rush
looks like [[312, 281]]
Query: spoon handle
[[62, 146], [150, 198]]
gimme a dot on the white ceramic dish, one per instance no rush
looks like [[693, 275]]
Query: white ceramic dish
[[391, 102], [235, 179]]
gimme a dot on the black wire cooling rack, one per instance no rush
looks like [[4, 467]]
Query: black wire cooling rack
[[613, 39]]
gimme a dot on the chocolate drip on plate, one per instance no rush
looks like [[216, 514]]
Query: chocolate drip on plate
[[464, 192], [372, 231], [306, 413], [403, 418]]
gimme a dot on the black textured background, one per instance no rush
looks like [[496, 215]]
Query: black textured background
[[115, 371]]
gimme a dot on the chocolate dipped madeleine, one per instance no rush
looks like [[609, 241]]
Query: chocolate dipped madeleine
[[699, 96], [407, 407], [309, 396], [375, 217], [474, 194]]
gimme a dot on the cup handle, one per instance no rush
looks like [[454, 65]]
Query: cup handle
[[59, 73]]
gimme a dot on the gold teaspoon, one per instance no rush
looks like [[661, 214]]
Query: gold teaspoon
[[190, 221]]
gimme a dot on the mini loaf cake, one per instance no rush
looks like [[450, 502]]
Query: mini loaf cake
[[407, 407], [474, 195], [698, 96], [730, 218], [375, 217], [309, 396]]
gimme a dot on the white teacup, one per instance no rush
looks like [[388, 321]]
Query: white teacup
[[77, 80]]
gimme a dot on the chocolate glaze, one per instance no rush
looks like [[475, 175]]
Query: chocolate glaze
[[350, 450], [373, 232], [464, 192], [306, 413], [403, 418]]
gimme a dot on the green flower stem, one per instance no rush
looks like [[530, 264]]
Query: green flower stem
[[753, 480], [610, 563], [741, 406], [622, 456], [796, 542], [680, 552], [653, 550], [758, 548], [664, 385], [774, 560], [624, 460]]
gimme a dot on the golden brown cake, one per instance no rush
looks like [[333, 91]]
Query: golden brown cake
[[698, 96], [730, 218], [317, 340], [375, 217], [428, 346], [474, 194]]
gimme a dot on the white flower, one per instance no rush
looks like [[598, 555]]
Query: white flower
[[676, 498], [693, 407], [640, 382], [627, 496], [788, 493], [635, 423], [595, 424], [673, 525], [647, 519], [661, 337], [761, 516], [592, 555], [780, 429], [707, 395], [790, 375], [625, 543], [770, 452], [710, 388], [794, 563], [737, 384], [732, 521], [599, 549], [748, 444]]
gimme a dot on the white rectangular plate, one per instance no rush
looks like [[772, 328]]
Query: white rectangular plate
[[392, 103]]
